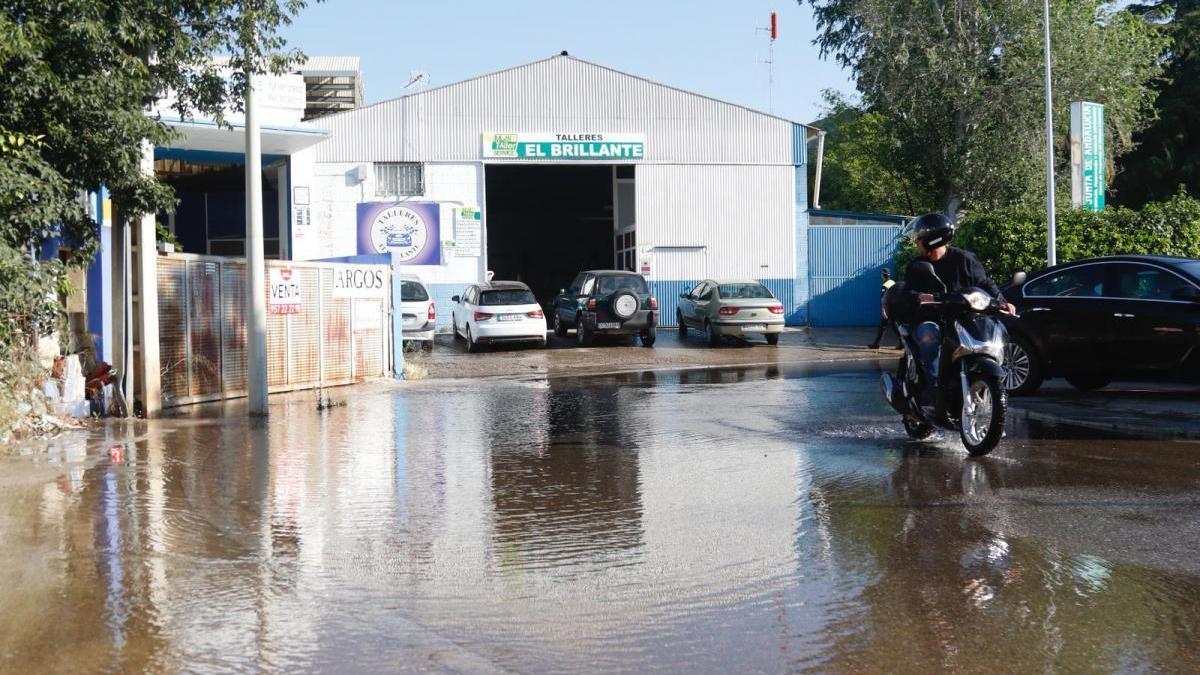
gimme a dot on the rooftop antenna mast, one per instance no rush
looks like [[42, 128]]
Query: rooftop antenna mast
[[418, 79], [773, 32]]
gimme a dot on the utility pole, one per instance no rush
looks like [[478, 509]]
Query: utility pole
[[1051, 246], [256, 310]]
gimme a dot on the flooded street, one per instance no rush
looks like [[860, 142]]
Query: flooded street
[[706, 521]]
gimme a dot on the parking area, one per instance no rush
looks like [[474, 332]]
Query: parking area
[[561, 357]]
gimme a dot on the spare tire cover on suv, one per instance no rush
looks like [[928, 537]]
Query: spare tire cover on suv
[[624, 304]]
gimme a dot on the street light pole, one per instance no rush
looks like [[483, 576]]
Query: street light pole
[[1051, 252], [256, 310]]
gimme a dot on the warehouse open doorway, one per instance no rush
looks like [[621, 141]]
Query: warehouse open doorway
[[545, 223]]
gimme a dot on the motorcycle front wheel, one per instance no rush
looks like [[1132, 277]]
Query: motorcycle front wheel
[[982, 427]]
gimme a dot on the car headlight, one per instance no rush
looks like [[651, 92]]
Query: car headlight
[[978, 300]]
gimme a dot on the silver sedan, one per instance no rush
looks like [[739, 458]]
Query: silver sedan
[[730, 308]]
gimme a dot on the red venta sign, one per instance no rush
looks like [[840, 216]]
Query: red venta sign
[[284, 286]]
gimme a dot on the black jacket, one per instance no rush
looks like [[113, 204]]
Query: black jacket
[[958, 269]]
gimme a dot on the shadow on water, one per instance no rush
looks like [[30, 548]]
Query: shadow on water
[[769, 518]]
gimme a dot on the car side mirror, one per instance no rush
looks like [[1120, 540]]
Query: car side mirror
[[683, 295], [1019, 278], [1187, 293], [454, 299], [925, 277]]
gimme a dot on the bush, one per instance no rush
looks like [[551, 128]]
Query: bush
[[1014, 238], [28, 307]]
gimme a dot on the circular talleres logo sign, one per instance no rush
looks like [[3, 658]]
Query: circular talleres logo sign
[[399, 229]]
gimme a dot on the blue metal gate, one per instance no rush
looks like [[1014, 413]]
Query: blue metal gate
[[846, 251]]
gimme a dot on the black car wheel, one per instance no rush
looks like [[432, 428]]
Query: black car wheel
[[772, 339], [649, 336], [1087, 382], [714, 339], [1022, 367], [472, 346], [559, 329], [583, 336], [682, 325]]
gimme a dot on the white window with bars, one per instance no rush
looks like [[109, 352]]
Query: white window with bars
[[399, 179]]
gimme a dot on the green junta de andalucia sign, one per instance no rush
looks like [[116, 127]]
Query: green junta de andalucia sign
[[606, 147], [1088, 158]]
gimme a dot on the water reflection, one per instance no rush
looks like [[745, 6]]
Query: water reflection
[[699, 520]]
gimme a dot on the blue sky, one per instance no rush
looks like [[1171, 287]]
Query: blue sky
[[708, 47]]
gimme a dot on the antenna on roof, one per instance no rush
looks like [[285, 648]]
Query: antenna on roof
[[417, 78], [773, 31]]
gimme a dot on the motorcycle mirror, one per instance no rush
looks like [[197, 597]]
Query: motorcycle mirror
[[1019, 278], [924, 276]]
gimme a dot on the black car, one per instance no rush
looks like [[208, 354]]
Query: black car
[[607, 302], [1103, 319]]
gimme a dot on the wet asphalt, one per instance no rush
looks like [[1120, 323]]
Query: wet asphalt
[[764, 519]]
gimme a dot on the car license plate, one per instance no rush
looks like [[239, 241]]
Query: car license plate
[[754, 328], [608, 325], [511, 317]]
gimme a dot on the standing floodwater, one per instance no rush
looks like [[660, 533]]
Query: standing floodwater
[[705, 521]]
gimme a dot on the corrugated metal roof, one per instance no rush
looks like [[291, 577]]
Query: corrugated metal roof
[[561, 93], [320, 65]]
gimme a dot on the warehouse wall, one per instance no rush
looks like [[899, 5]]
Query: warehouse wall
[[558, 93], [739, 220]]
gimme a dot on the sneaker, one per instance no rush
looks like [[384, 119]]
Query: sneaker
[[873, 345]]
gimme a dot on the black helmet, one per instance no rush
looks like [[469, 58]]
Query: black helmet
[[935, 229]]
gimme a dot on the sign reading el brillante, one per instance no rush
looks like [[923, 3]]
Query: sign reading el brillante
[[576, 146]]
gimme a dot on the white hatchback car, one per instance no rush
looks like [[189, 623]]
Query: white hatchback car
[[418, 313], [500, 311]]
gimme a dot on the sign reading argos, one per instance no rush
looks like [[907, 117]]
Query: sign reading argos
[[410, 230], [592, 146]]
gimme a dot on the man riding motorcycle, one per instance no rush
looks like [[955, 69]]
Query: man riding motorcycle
[[958, 269]]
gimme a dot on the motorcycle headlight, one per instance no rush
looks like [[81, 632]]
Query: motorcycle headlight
[[977, 300]]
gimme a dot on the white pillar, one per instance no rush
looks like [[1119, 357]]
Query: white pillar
[[1051, 236], [146, 268], [256, 310]]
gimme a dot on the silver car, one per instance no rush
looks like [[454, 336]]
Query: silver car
[[418, 312], [735, 308]]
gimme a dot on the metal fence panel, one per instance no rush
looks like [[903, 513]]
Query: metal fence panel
[[172, 322], [844, 264], [304, 332], [331, 340], [233, 327], [204, 328]]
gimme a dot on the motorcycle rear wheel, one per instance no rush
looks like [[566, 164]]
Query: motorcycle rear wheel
[[982, 430]]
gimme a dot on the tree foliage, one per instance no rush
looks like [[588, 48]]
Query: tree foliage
[[1013, 238], [1168, 152], [957, 85], [77, 78], [862, 169]]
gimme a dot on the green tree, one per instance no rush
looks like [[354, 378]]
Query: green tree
[[1168, 151], [862, 170], [958, 84], [76, 80]]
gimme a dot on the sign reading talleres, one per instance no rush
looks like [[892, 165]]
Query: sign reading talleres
[[573, 146], [410, 230]]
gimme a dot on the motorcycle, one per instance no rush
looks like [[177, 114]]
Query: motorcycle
[[970, 397]]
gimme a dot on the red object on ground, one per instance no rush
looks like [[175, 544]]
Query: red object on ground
[[116, 453]]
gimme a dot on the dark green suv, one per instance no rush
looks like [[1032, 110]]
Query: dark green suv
[[606, 302]]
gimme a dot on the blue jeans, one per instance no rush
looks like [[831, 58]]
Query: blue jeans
[[929, 346]]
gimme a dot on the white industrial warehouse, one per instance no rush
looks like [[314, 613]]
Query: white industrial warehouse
[[541, 170]]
